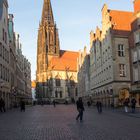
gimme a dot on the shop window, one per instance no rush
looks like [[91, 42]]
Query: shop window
[[57, 82]]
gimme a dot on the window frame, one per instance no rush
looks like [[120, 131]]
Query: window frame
[[121, 50], [122, 70]]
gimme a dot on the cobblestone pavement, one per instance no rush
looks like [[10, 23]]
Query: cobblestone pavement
[[49, 123]]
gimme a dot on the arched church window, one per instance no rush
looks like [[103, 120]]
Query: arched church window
[[56, 94], [61, 94], [57, 81], [72, 83]]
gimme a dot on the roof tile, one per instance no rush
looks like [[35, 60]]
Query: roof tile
[[67, 60]]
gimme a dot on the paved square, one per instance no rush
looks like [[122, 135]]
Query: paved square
[[49, 123]]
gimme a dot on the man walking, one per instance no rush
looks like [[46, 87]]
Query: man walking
[[54, 103], [133, 104], [80, 108], [99, 106], [22, 105], [2, 105]]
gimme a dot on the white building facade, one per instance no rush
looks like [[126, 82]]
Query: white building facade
[[135, 52], [84, 74], [4, 54], [109, 59]]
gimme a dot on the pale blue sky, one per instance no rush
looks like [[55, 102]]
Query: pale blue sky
[[74, 18]]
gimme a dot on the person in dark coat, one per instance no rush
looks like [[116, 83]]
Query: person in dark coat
[[2, 105], [88, 103], [80, 108], [54, 103], [99, 106], [22, 105], [133, 104]]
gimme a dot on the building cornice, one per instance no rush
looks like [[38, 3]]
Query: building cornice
[[115, 81]]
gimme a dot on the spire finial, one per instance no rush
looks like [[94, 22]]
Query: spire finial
[[47, 14]]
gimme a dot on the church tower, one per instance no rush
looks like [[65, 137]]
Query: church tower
[[48, 41], [56, 74]]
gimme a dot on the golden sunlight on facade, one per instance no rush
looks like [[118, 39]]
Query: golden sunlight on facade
[[114, 58], [15, 68], [56, 76]]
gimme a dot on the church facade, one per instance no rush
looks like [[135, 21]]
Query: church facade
[[56, 76]]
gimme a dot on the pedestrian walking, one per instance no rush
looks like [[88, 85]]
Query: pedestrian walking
[[22, 105], [80, 108], [2, 105], [133, 104], [126, 104], [42, 103], [88, 103], [66, 102], [112, 105], [99, 106], [54, 103]]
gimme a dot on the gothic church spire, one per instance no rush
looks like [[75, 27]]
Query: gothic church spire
[[47, 14], [48, 39]]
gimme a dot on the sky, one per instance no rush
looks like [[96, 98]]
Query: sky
[[74, 18]]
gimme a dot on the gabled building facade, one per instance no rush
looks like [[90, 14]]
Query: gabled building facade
[[84, 74], [4, 54], [109, 60], [13, 60], [23, 74], [13, 64], [135, 52]]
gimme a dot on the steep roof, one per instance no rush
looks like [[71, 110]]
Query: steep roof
[[66, 61], [136, 6], [121, 21]]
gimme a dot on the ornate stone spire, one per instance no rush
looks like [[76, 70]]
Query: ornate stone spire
[[47, 14], [48, 39]]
